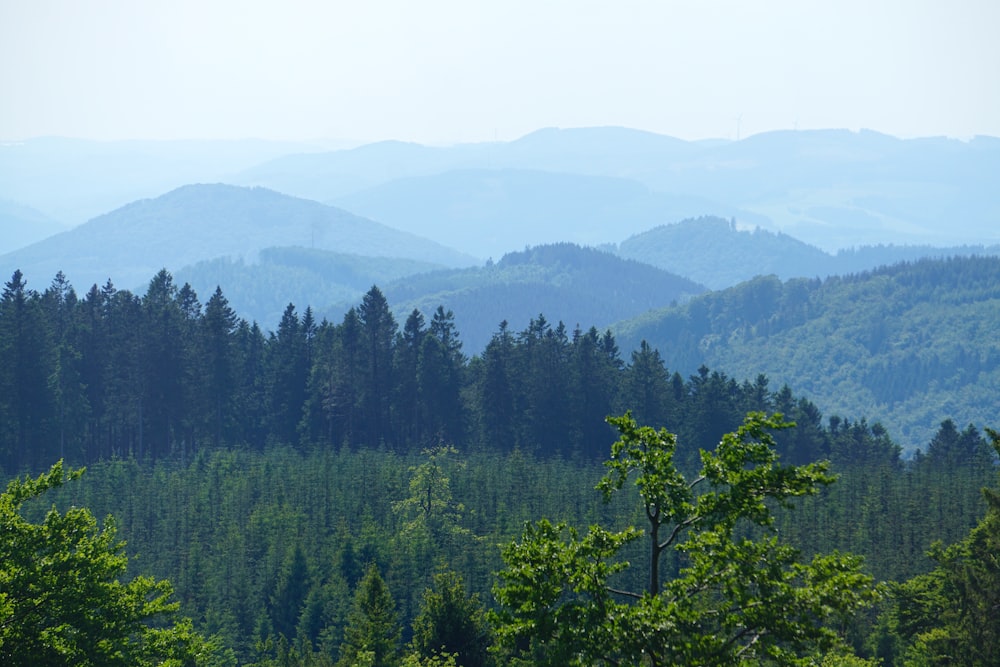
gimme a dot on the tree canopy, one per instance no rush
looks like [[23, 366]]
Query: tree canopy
[[737, 594], [62, 601]]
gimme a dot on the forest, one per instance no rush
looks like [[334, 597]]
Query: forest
[[300, 487]]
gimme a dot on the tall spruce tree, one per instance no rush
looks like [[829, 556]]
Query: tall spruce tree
[[373, 632], [378, 331]]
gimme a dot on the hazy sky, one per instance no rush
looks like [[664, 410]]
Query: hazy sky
[[439, 71]]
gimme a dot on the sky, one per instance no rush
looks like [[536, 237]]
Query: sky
[[452, 71]]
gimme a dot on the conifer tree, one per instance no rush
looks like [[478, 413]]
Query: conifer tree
[[373, 632], [453, 623]]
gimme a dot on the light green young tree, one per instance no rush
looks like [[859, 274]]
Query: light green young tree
[[430, 508], [740, 597], [63, 601]]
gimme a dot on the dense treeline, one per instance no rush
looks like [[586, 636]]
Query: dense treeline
[[113, 374]]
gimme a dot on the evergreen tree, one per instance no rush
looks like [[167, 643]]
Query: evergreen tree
[[949, 615], [647, 388], [594, 383], [162, 371], [407, 408], [252, 402], [218, 327], [451, 622], [289, 596], [378, 330], [439, 380], [288, 362], [28, 363], [373, 632], [125, 373], [69, 393], [495, 392]]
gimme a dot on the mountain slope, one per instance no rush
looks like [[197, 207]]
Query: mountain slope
[[202, 222], [22, 225], [563, 282], [715, 253], [910, 345], [710, 251], [260, 291]]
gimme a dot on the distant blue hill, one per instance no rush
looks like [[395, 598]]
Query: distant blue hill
[[201, 222], [489, 212], [22, 225]]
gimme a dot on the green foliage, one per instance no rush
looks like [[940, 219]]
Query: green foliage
[[414, 660], [739, 596], [373, 630], [949, 615], [451, 624], [430, 506], [62, 601], [224, 527]]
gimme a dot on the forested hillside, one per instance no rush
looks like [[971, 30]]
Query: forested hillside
[[260, 290], [579, 286], [719, 254], [115, 374], [908, 345], [274, 478]]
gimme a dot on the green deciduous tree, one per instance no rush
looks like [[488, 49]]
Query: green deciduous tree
[[62, 600], [738, 596]]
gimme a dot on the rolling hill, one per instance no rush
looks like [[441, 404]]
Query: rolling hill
[[715, 253], [203, 222], [564, 282], [22, 225], [74, 180], [260, 291], [909, 345], [833, 189]]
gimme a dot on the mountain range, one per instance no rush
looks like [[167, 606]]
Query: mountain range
[[834, 189], [597, 227]]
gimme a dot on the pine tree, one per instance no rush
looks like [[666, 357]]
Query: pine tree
[[372, 631], [451, 622], [378, 331], [290, 593]]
